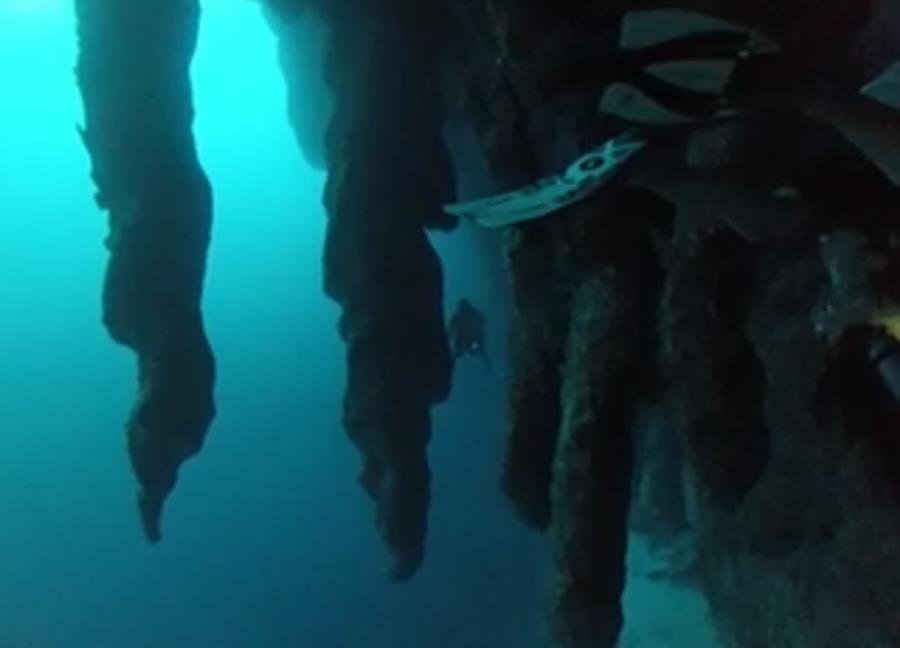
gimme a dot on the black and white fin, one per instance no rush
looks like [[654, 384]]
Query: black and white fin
[[631, 104], [885, 88], [709, 76], [580, 179], [650, 27]]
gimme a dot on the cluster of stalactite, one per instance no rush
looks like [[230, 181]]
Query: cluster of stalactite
[[574, 385], [389, 174], [730, 281]]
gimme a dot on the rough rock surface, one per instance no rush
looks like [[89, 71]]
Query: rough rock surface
[[750, 344], [389, 175], [133, 72], [733, 275]]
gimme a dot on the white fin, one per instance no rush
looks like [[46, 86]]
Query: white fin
[[649, 27], [580, 179], [700, 75], [885, 88], [627, 102]]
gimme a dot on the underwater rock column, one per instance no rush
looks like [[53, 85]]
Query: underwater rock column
[[584, 312], [389, 174], [134, 79], [592, 470], [302, 40], [659, 505], [716, 384], [537, 338], [616, 279]]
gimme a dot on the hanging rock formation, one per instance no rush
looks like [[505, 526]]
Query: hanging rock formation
[[303, 38], [739, 275], [133, 73], [731, 269], [389, 175]]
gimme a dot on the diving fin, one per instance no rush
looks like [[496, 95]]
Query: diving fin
[[650, 27], [680, 67], [701, 75], [629, 103], [885, 88], [581, 178]]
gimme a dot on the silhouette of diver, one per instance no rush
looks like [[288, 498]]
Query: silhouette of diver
[[466, 332]]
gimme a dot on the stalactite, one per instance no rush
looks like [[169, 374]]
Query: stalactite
[[389, 174], [539, 323], [716, 384], [585, 291], [133, 73], [303, 39]]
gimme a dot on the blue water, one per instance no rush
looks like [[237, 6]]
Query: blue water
[[268, 542]]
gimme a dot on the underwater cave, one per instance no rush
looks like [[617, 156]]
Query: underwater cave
[[450, 324]]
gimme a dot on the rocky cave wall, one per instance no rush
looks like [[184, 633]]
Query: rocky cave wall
[[733, 278], [775, 240]]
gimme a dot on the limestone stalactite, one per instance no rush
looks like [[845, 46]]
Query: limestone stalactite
[[303, 37], [736, 274], [134, 78], [389, 174], [570, 454]]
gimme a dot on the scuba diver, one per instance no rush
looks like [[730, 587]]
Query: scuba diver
[[466, 332]]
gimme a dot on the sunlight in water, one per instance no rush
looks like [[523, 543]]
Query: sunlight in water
[[35, 6]]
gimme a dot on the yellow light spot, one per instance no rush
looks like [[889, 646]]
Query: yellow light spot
[[889, 322]]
